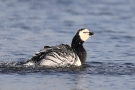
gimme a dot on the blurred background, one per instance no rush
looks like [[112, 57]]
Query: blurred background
[[28, 25]]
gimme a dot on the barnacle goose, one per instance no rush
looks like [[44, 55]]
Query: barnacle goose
[[63, 55]]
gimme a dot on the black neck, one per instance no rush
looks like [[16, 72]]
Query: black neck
[[77, 46]]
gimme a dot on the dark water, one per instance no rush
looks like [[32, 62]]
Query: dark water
[[27, 25]]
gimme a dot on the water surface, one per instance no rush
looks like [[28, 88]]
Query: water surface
[[27, 25]]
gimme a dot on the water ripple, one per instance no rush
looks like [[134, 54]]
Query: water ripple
[[88, 68]]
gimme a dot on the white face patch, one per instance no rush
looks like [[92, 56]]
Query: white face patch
[[84, 34]]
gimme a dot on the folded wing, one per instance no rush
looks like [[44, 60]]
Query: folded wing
[[61, 55]]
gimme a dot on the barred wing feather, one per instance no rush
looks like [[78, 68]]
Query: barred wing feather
[[61, 55]]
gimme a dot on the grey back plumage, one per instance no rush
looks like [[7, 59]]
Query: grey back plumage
[[61, 55]]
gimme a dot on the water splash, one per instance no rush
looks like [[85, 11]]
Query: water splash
[[88, 68]]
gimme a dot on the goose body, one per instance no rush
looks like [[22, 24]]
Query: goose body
[[63, 55]]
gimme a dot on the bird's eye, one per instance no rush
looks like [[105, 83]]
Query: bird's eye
[[85, 32]]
